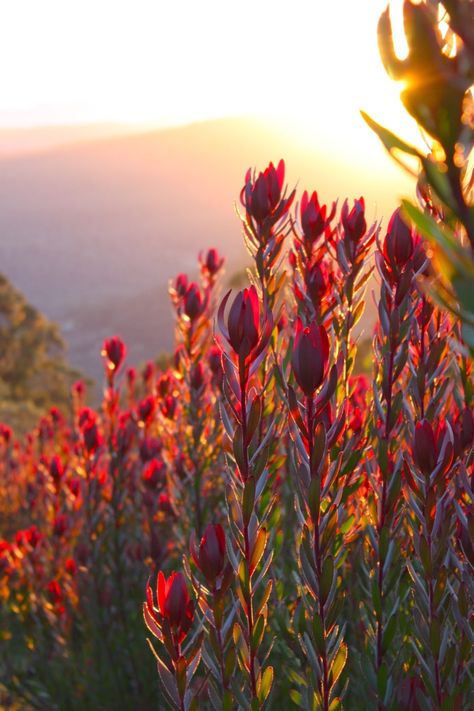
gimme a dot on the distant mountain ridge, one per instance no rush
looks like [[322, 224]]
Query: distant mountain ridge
[[91, 232]]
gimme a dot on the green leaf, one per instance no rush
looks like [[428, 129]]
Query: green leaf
[[257, 633], [265, 684], [248, 500], [389, 632], [258, 549], [327, 577], [382, 679], [339, 662]]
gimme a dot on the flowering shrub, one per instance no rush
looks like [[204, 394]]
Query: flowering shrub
[[305, 530]]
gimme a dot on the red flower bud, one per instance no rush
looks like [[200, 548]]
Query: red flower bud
[[56, 470], [60, 525], [91, 436], [114, 352], [398, 244], [154, 474], [354, 221], [244, 322], [193, 302], [214, 360], [197, 378], [71, 566], [210, 556], [310, 356], [260, 197], [146, 409], [55, 592], [181, 284], [424, 448], [313, 217], [174, 603], [211, 262]]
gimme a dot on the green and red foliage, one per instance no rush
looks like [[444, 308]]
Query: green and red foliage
[[305, 529]]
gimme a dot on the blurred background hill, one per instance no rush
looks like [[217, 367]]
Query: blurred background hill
[[95, 220]]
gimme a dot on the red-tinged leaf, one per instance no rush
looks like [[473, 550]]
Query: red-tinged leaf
[[254, 417], [327, 577], [257, 633], [248, 500], [220, 316], [229, 662], [151, 623], [327, 390], [238, 449], [318, 633], [314, 497], [180, 667], [265, 596], [295, 412], [319, 447], [169, 683]]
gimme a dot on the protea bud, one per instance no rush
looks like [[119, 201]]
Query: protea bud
[[354, 222], [211, 262], [193, 302], [424, 447], [244, 322], [261, 197], [398, 244], [313, 217], [154, 474], [210, 556], [310, 356], [174, 603], [114, 352]]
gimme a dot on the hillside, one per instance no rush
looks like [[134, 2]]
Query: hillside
[[92, 231]]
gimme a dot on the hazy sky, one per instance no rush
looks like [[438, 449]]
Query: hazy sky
[[310, 63]]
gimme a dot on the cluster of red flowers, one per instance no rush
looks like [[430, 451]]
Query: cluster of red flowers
[[267, 485]]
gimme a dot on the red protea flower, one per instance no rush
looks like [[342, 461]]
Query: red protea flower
[[5, 434], [148, 373], [91, 436], [354, 222], [56, 470], [244, 332], [193, 301], [310, 356], [197, 378], [210, 556], [55, 592], [114, 352], [146, 409], [314, 217], [154, 474], [174, 602], [214, 360], [424, 448], [181, 284], [28, 537], [60, 525], [260, 197], [150, 448], [317, 284], [211, 263], [70, 566], [398, 244]]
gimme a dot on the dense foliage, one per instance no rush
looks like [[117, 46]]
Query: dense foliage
[[306, 530]]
